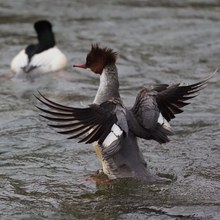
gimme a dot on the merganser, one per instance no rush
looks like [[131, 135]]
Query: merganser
[[111, 127], [43, 57]]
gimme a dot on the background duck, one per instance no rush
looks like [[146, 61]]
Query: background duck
[[42, 57], [114, 128]]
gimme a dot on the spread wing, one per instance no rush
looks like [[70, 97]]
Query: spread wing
[[172, 99], [105, 123], [148, 118], [156, 106]]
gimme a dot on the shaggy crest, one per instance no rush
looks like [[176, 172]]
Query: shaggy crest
[[106, 55]]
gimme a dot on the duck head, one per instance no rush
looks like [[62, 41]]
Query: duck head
[[98, 58], [45, 34], [41, 25]]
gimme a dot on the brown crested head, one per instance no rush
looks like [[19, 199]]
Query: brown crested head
[[99, 57]]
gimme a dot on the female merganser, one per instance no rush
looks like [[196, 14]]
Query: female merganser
[[113, 127], [43, 57]]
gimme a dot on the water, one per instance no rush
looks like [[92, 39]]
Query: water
[[45, 176]]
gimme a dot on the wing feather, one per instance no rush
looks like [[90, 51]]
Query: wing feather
[[166, 100], [89, 124], [173, 97]]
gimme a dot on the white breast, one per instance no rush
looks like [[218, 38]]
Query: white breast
[[19, 61], [50, 60]]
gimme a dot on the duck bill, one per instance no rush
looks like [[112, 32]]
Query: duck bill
[[80, 66]]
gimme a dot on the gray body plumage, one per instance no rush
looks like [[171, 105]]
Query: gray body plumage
[[115, 128], [128, 161]]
